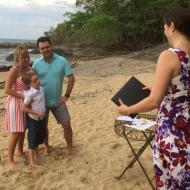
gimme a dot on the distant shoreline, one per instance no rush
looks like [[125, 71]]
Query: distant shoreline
[[15, 40], [13, 45]]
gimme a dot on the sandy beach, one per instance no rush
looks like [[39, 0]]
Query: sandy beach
[[100, 154]]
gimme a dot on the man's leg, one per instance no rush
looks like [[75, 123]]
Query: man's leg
[[68, 134], [62, 116], [46, 139]]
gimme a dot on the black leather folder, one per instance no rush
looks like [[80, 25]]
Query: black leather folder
[[131, 93]]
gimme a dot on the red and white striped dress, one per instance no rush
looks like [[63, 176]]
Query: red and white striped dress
[[15, 118]]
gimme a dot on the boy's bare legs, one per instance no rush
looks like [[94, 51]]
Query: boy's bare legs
[[36, 155], [13, 139], [46, 142], [68, 134], [33, 155], [37, 158]]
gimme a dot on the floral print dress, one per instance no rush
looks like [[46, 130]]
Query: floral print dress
[[171, 149]]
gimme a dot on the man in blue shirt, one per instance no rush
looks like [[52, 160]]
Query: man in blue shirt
[[51, 69]]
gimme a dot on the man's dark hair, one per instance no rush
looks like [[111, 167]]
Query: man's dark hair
[[43, 39], [181, 19]]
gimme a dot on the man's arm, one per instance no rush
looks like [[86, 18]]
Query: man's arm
[[69, 89], [70, 85]]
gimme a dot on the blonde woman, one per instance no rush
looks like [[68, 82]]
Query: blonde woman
[[15, 119]]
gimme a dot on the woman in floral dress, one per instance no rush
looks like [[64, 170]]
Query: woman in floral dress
[[170, 93]]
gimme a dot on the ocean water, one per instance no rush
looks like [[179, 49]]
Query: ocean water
[[4, 52], [16, 40]]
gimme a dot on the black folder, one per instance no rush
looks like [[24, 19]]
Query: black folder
[[131, 93]]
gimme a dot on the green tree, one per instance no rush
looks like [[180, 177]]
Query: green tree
[[130, 23]]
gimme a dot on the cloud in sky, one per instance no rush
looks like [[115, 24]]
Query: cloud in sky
[[29, 19]]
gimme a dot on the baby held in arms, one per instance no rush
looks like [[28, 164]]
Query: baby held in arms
[[34, 106]]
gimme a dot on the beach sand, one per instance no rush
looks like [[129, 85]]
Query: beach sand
[[100, 154]]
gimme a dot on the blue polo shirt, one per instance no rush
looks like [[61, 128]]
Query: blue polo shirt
[[51, 76]]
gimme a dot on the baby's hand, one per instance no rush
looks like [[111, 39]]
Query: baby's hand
[[31, 71], [41, 114]]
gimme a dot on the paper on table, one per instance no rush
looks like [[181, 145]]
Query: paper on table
[[137, 123], [141, 123], [124, 118]]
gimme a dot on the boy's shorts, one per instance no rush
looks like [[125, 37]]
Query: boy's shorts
[[60, 113], [36, 132]]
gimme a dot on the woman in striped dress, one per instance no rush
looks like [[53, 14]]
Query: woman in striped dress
[[15, 119]]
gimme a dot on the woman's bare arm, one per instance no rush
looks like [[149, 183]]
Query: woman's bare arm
[[167, 67], [12, 75]]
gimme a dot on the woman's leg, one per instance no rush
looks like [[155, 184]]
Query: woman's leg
[[20, 144], [13, 139]]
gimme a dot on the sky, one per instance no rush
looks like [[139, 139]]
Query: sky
[[29, 19]]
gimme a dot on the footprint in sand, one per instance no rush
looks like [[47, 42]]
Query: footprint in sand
[[115, 146], [8, 173], [84, 180]]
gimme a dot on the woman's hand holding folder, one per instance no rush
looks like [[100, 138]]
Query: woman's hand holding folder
[[123, 109]]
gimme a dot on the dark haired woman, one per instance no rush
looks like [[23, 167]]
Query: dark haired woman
[[171, 93]]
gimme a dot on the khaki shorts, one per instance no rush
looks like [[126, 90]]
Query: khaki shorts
[[60, 113]]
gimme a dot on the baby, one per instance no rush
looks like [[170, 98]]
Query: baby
[[34, 106]]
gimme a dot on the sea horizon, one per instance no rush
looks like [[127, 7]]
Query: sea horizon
[[4, 52], [14, 40]]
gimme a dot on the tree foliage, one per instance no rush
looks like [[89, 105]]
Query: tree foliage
[[119, 23]]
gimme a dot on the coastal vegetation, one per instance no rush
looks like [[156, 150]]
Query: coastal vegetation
[[130, 24]]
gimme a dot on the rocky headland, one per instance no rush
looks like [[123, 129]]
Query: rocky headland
[[74, 52]]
